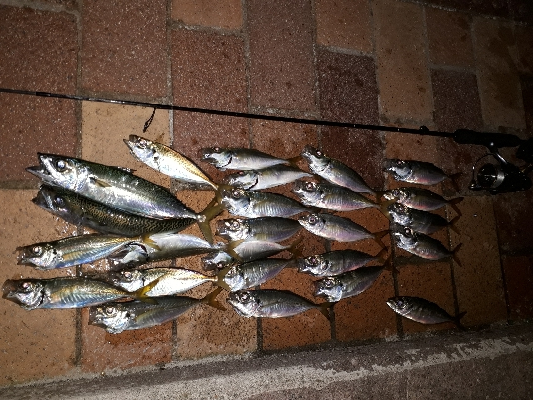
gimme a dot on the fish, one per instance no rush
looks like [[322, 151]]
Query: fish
[[120, 317], [166, 281], [169, 246], [273, 176], [330, 197], [422, 310], [337, 228], [422, 245], [334, 171], [254, 273], [423, 173], [348, 284], [337, 262], [113, 186], [82, 211], [76, 250], [167, 161], [249, 250], [418, 220], [250, 204], [274, 229], [218, 260], [239, 158], [270, 303], [65, 292], [421, 199]]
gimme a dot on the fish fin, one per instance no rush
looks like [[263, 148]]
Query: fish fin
[[453, 204], [140, 294], [230, 249], [99, 182], [327, 309], [211, 299], [220, 278], [452, 223], [295, 249], [294, 161], [380, 235], [386, 259], [454, 254], [457, 320], [384, 208]]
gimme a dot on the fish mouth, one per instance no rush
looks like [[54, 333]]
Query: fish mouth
[[40, 172], [9, 289], [389, 164]]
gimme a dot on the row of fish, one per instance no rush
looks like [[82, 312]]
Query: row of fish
[[147, 217]]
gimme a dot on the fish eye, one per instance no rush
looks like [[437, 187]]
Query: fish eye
[[26, 287], [400, 304], [110, 310], [61, 165], [127, 275], [59, 201], [142, 143], [310, 186], [312, 219], [216, 149], [328, 283], [313, 260], [37, 250], [237, 194], [235, 224]]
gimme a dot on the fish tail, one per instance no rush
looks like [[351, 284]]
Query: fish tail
[[457, 320], [147, 240], [294, 161], [220, 278], [385, 258], [210, 212], [384, 207], [453, 204], [211, 299], [326, 309], [230, 249], [454, 254], [295, 249], [140, 294], [452, 223], [378, 236]]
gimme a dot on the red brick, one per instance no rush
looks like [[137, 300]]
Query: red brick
[[514, 214], [226, 14], [496, 8], [281, 62], [518, 271], [124, 47]]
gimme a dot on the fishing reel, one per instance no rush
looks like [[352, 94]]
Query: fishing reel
[[499, 176]]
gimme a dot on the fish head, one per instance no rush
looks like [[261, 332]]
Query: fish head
[[399, 195], [400, 214], [235, 199], [245, 303], [217, 260], [315, 264], [142, 149], [316, 159], [307, 190], [39, 255], [130, 255], [28, 293], [400, 169], [216, 156], [242, 179], [330, 288], [50, 199], [400, 304], [313, 222], [62, 171], [127, 280], [235, 278], [112, 317], [405, 237], [232, 229]]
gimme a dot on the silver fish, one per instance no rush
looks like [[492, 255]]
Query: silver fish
[[334, 171], [265, 178], [68, 292], [337, 228], [119, 317], [167, 161], [411, 171], [275, 229], [422, 310], [254, 273], [348, 284], [75, 250], [217, 260], [418, 220], [272, 304], [239, 158], [422, 245], [116, 187], [330, 197], [337, 262], [249, 250], [245, 203], [421, 199]]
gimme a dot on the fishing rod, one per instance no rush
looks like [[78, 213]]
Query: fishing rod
[[496, 178]]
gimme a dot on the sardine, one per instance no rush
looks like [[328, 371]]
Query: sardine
[[75, 250], [337, 262], [254, 273], [265, 178], [71, 292], [422, 245], [417, 220], [239, 158], [421, 199], [422, 310], [119, 317], [268, 303], [80, 210], [167, 281], [348, 284], [250, 204], [330, 197], [337, 228], [420, 172], [334, 171], [167, 161], [275, 229], [115, 187]]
